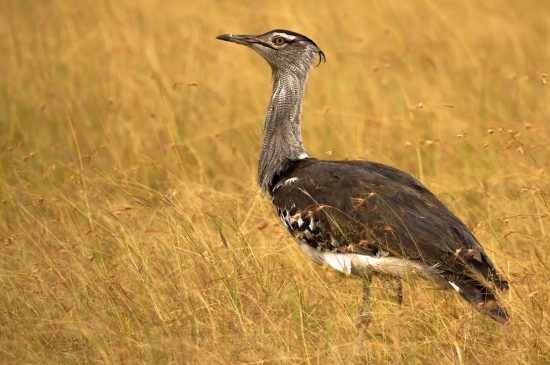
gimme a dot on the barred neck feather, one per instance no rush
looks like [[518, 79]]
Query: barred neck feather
[[282, 130]]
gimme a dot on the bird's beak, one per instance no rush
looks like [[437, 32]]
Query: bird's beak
[[240, 39]]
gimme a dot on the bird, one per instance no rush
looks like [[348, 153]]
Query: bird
[[359, 217]]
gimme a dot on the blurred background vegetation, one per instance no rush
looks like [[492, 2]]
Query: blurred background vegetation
[[131, 226]]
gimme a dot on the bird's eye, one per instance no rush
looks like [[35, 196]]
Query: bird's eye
[[279, 41]]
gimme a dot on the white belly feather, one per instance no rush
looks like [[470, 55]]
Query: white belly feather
[[361, 265]]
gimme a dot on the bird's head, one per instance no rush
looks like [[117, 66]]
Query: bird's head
[[282, 49]]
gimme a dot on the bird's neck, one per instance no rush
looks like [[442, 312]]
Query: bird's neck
[[282, 130]]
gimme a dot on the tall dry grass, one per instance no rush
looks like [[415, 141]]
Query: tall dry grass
[[131, 226]]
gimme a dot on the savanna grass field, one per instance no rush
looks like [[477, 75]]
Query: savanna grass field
[[132, 229]]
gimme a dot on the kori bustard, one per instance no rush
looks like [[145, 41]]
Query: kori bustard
[[358, 217]]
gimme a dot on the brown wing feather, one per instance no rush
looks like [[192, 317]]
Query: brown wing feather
[[366, 207]]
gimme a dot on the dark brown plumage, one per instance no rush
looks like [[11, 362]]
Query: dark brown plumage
[[367, 208]]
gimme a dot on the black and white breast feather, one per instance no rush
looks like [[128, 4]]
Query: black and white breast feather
[[362, 217]]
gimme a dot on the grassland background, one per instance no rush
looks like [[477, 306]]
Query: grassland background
[[131, 226]]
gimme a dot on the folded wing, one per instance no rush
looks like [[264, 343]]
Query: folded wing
[[373, 209]]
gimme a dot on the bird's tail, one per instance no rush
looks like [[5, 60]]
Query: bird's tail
[[482, 296]]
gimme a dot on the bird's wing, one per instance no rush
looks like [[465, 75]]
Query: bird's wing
[[372, 209]]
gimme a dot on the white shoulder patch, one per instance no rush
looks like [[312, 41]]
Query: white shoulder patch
[[285, 183], [291, 180]]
